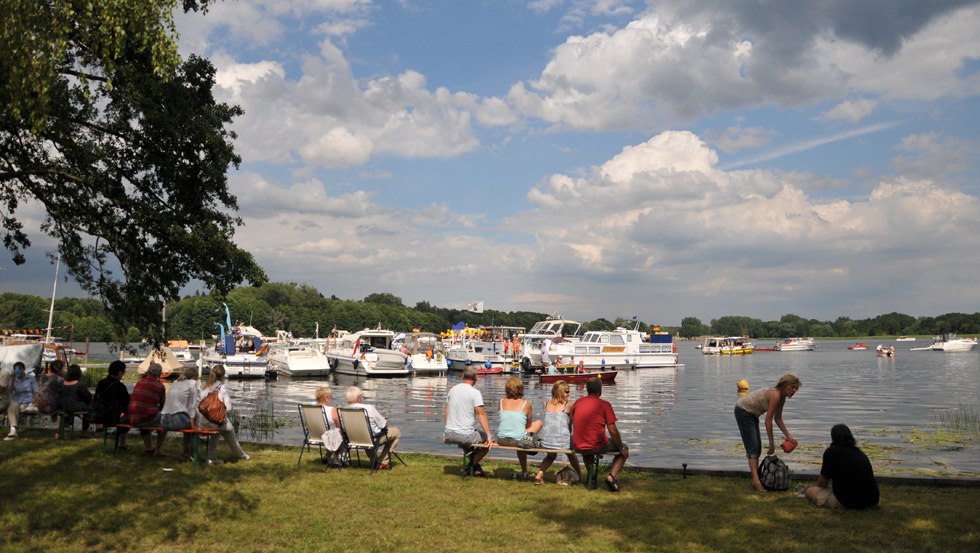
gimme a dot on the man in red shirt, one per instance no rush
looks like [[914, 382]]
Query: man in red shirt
[[145, 404], [591, 417]]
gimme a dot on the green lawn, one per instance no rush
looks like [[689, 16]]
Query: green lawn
[[69, 496]]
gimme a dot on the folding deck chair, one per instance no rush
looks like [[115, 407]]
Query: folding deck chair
[[356, 426], [314, 422]]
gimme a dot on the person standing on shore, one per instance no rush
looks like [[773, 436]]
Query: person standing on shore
[[749, 408]]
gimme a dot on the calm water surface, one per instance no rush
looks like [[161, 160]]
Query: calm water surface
[[684, 415]]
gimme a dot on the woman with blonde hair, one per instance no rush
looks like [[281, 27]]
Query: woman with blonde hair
[[749, 408], [216, 381], [516, 427], [556, 430]]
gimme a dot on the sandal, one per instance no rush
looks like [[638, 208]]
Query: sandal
[[539, 478], [612, 483]]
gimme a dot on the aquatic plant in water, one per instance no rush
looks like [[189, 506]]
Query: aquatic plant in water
[[962, 418]]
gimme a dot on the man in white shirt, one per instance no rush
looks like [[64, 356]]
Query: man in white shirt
[[464, 407], [355, 398]]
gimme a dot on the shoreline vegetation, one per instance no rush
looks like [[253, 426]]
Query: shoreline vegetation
[[69, 496], [306, 312]]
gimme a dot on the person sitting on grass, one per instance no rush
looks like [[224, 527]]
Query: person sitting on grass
[[517, 427], [591, 417], [145, 404], [850, 471], [111, 400], [463, 409], [355, 398]]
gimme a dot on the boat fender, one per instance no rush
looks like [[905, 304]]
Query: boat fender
[[526, 364], [355, 364], [468, 362], [743, 387], [449, 363]]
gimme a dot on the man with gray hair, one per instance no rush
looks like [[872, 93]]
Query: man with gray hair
[[464, 407], [379, 425]]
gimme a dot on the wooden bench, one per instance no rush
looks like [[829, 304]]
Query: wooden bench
[[66, 420], [196, 432], [591, 460]]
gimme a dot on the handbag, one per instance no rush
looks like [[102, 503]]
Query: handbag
[[774, 474], [213, 408]]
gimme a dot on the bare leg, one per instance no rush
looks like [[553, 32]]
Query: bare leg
[[573, 459], [618, 461], [545, 465], [754, 471], [522, 457]]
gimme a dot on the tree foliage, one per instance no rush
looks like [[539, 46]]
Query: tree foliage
[[124, 146]]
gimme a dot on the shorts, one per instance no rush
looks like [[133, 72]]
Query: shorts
[[748, 427], [607, 448], [175, 421], [463, 438], [825, 498]]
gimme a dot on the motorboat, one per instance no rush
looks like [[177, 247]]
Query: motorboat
[[729, 345], [426, 355], [299, 359], [182, 351], [953, 343], [905, 339], [240, 351], [487, 344], [795, 344], [607, 377], [858, 346], [367, 352], [622, 348], [540, 345]]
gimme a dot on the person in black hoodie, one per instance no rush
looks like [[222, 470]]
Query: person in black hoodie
[[849, 469]]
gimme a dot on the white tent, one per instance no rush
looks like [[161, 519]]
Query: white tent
[[163, 357]]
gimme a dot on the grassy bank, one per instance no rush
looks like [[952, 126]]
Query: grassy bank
[[69, 496]]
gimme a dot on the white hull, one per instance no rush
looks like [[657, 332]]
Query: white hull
[[478, 353], [421, 365], [958, 345], [605, 350], [299, 361], [377, 363], [240, 365], [795, 344]]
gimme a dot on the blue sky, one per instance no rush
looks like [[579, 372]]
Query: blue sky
[[605, 158]]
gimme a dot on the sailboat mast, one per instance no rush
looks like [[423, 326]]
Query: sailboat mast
[[54, 292]]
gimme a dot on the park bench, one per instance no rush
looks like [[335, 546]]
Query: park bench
[[591, 460], [195, 431]]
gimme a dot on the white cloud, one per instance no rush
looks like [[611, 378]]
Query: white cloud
[[850, 110], [929, 155], [734, 139], [337, 148]]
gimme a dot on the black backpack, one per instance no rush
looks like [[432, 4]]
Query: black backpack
[[774, 474]]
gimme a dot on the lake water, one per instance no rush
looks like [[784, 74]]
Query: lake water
[[684, 415]]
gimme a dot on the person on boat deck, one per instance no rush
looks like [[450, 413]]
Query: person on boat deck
[[545, 357], [216, 381], [20, 389], [516, 427], [75, 397], [355, 398], [556, 429], [750, 407], [591, 417], [145, 403], [849, 469], [111, 400], [463, 408]]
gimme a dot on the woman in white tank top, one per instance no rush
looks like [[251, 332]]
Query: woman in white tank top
[[747, 412]]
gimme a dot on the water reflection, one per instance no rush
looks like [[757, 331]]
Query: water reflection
[[684, 415]]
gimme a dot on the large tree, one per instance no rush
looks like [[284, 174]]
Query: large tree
[[124, 146]]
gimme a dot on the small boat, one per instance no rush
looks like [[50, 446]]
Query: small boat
[[367, 352], [728, 345], [953, 343], [795, 344], [905, 339], [299, 359], [240, 351], [426, 356], [858, 346], [550, 378], [484, 370]]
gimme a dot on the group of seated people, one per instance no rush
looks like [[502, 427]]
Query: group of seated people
[[150, 407], [580, 426], [387, 435]]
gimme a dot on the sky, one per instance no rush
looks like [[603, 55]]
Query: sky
[[606, 158]]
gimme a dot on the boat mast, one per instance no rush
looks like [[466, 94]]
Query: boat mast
[[54, 292]]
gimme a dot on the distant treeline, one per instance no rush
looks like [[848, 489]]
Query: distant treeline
[[298, 308]]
